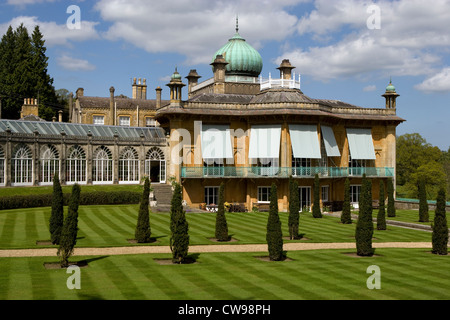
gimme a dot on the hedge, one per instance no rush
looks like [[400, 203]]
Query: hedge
[[88, 198]]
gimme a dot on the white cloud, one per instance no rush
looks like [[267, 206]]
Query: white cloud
[[370, 88], [73, 64], [22, 3], [409, 43], [439, 83], [55, 34], [195, 28]]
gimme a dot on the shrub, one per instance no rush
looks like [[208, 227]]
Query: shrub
[[57, 215], [364, 227], [143, 231], [423, 203], [70, 228], [440, 229], [346, 216], [179, 241], [316, 207], [221, 220], [381, 217], [391, 202], [294, 208], [274, 234]]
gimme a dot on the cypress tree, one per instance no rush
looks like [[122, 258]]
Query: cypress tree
[[381, 217], [423, 203], [179, 241], [346, 216], [57, 215], [440, 229], [294, 209], [221, 220], [317, 213], [364, 226], [143, 231], [274, 234], [70, 228], [391, 202]]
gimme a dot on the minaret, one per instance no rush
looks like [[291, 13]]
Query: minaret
[[176, 86], [192, 80], [286, 70], [391, 96]]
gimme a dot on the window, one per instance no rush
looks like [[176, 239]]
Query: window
[[304, 194], [211, 195], [264, 194], [325, 193], [151, 122], [355, 191], [76, 165], [125, 121], [214, 167], [301, 167], [129, 166], [22, 166], [102, 166], [99, 120], [155, 165], [49, 164]]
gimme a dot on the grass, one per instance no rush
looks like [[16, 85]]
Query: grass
[[318, 275], [328, 275], [106, 226]]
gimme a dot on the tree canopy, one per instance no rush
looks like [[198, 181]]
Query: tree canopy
[[24, 73]]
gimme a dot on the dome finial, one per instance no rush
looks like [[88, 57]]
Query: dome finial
[[237, 23]]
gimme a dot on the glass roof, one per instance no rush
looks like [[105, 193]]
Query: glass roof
[[80, 130]]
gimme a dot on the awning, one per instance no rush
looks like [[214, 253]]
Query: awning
[[305, 141], [216, 142], [265, 142], [361, 144], [330, 142]]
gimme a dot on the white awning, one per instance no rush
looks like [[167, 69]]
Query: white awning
[[265, 142], [330, 142], [361, 144], [305, 141], [216, 142]]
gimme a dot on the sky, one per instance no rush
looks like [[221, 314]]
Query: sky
[[345, 50]]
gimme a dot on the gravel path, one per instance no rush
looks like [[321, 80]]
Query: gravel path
[[203, 249]]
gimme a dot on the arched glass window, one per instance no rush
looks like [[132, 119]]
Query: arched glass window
[[2, 166], [49, 164], [155, 165], [102, 167], [76, 165], [22, 166], [129, 166]]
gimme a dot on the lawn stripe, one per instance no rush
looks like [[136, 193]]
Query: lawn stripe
[[41, 282], [157, 288], [88, 220], [8, 229]]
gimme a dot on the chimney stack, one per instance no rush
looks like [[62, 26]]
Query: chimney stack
[[158, 98], [111, 107], [139, 89]]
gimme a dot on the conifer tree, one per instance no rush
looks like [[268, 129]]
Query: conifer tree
[[179, 241], [391, 202], [440, 228], [70, 228], [423, 203], [221, 220], [274, 234], [294, 209], [143, 230], [317, 213], [57, 215], [381, 217], [346, 216], [364, 226]]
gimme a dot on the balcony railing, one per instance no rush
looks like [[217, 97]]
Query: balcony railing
[[279, 172]]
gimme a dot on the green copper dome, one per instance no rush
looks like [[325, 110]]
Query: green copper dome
[[390, 87], [242, 58]]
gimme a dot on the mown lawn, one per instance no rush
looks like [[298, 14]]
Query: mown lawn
[[105, 226], [312, 275]]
